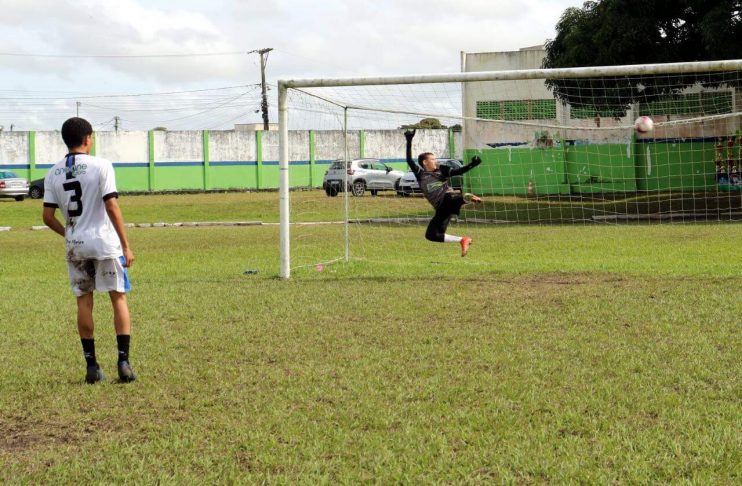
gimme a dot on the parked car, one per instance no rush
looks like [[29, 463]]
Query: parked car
[[36, 189], [362, 174], [408, 185], [13, 186]]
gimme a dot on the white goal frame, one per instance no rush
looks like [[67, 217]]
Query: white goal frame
[[564, 73]]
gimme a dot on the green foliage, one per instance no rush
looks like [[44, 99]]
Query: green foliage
[[430, 123], [616, 32]]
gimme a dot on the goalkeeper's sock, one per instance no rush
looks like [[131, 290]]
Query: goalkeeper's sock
[[88, 350], [451, 239], [123, 343]]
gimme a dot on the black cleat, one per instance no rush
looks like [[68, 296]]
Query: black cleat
[[94, 375], [126, 374]]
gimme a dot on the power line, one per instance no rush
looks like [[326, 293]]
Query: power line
[[126, 56], [130, 95]]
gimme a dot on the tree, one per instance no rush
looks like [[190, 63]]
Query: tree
[[425, 123], [613, 32]]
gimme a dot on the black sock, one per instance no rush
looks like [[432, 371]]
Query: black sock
[[88, 350], [123, 343]]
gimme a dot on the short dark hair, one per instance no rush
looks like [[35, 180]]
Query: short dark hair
[[423, 156], [75, 130]]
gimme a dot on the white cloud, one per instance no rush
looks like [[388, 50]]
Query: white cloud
[[330, 38]]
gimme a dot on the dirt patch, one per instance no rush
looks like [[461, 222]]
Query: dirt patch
[[21, 434]]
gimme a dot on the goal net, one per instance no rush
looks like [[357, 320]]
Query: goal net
[[557, 147]]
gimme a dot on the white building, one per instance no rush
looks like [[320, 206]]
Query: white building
[[532, 103]]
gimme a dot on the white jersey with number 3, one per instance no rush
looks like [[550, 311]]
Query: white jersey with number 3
[[79, 186]]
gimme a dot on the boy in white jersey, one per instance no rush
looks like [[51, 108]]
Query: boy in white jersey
[[84, 189]]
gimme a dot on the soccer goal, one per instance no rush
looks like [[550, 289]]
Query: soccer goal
[[557, 147]]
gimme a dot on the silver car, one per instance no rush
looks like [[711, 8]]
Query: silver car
[[362, 174], [408, 185], [12, 186]]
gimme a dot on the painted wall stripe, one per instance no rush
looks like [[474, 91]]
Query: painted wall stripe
[[205, 147], [16, 166], [233, 163], [130, 165], [194, 163], [151, 159]]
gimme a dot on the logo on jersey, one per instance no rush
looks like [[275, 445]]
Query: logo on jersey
[[435, 185], [75, 170]]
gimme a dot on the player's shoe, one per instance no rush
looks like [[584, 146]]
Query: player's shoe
[[94, 375], [470, 198], [465, 242], [126, 374]]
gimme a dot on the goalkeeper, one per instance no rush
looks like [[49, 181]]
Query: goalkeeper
[[433, 180]]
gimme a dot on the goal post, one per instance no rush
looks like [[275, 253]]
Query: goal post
[[579, 84]]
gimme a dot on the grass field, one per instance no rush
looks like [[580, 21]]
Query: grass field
[[551, 354]]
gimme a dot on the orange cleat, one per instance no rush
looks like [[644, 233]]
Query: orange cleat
[[465, 242], [470, 198]]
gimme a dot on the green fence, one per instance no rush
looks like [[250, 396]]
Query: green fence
[[657, 165]]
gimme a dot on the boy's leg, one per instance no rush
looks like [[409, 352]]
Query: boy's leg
[[121, 318], [82, 280], [86, 329], [437, 227], [122, 324], [85, 325]]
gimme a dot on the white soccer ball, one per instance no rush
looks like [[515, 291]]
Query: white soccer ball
[[644, 124]]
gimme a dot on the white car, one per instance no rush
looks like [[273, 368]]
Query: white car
[[408, 185], [362, 174], [13, 186]]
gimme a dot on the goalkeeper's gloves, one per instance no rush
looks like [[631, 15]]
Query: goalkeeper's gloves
[[475, 161]]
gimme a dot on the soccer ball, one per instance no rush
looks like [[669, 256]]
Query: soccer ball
[[643, 124]]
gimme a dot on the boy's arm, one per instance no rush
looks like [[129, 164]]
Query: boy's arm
[[50, 219], [409, 135], [475, 161], [114, 212]]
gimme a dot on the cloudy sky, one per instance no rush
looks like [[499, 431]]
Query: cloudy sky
[[43, 76]]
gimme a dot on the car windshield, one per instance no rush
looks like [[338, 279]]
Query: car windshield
[[7, 175]]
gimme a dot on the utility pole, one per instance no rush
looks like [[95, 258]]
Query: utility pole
[[264, 105], [116, 122]]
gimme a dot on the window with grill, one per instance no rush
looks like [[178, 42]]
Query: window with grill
[[517, 110]]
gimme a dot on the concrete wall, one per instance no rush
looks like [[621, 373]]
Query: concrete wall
[[159, 160], [14, 148]]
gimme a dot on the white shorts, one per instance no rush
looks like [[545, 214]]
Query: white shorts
[[101, 275]]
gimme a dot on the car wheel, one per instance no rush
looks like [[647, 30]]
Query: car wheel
[[374, 192], [35, 193], [20, 198], [359, 187], [331, 191]]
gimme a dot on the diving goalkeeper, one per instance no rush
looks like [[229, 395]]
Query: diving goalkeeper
[[433, 180]]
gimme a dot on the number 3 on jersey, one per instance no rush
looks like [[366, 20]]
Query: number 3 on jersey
[[76, 197]]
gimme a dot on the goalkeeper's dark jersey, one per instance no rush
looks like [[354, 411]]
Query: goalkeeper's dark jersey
[[434, 184]]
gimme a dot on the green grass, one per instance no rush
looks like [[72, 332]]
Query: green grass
[[591, 354], [315, 206]]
